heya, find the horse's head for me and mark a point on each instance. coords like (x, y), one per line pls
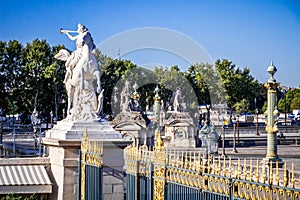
(63, 55)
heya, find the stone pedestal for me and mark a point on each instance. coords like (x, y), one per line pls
(62, 147)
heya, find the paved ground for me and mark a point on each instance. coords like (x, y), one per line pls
(288, 153)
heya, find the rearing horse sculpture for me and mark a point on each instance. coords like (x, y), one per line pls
(81, 72)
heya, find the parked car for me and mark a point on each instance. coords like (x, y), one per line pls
(295, 115)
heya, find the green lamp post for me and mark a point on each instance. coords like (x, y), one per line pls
(272, 118)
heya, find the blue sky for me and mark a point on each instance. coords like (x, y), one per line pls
(249, 33)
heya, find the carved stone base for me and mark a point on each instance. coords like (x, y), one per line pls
(96, 129)
(62, 147)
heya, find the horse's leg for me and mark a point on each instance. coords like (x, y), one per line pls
(70, 92)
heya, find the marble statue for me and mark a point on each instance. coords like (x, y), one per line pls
(81, 73)
(100, 102)
(125, 97)
(177, 100)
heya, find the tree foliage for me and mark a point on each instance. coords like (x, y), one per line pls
(206, 84)
(172, 79)
(14, 196)
(242, 106)
(112, 71)
(31, 77)
(290, 100)
(11, 73)
(238, 83)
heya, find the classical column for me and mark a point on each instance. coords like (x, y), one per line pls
(272, 112)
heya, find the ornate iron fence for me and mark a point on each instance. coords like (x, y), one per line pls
(161, 174)
(90, 169)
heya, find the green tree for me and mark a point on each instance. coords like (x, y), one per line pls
(37, 92)
(171, 79)
(112, 71)
(242, 106)
(11, 74)
(238, 83)
(54, 76)
(289, 101)
(295, 104)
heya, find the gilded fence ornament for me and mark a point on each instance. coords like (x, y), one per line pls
(285, 178)
(277, 175)
(199, 164)
(213, 166)
(229, 168)
(215, 184)
(84, 148)
(264, 174)
(159, 145)
(191, 171)
(84, 141)
(293, 177)
(91, 154)
(238, 172)
(219, 165)
(245, 170)
(224, 167)
(257, 172)
(250, 171)
(271, 177)
(159, 161)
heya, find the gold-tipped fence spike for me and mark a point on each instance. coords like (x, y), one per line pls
(190, 161)
(229, 168)
(224, 166)
(177, 156)
(299, 181)
(250, 171)
(239, 169)
(285, 178)
(199, 162)
(172, 159)
(264, 174)
(219, 165)
(293, 177)
(182, 161)
(195, 162)
(208, 164)
(257, 172)
(187, 163)
(277, 175)
(245, 169)
(203, 165)
(271, 173)
(84, 140)
(213, 169)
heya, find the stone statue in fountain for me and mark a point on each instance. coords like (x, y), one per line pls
(81, 73)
